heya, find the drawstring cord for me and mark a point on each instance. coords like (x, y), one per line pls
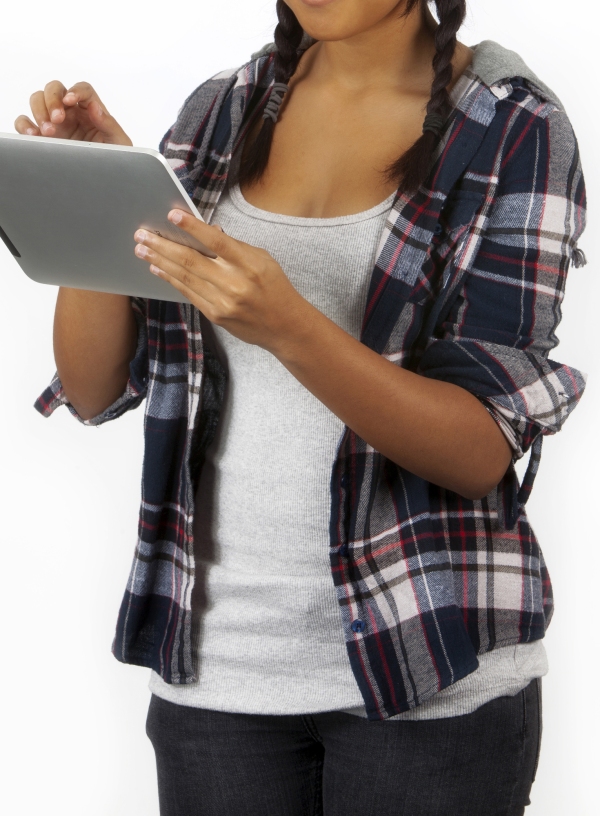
(514, 501)
(579, 258)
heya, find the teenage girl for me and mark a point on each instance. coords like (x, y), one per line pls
(369, 354)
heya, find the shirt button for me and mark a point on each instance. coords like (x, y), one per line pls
(357, 625)
(438, 229)
(344, 480)
(344, 550)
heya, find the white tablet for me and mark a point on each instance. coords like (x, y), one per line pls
(69, 210)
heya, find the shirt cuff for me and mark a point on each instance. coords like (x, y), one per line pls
(512, 436)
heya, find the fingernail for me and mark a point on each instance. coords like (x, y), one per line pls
(175, 216)
(47, 127)
(141, 251)
(31, 131)
(141, 235)
(56, 115)
(70, 97)
(155, 270)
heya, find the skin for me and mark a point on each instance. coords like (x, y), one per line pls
(357, 100)
(356, 103)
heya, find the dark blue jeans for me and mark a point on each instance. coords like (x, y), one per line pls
(211, 763)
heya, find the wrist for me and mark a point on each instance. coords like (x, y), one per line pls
(299, 326)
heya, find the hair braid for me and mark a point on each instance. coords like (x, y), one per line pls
(412, 167)
(288, 36)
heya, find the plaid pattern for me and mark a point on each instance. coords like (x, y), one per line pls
(467, 288)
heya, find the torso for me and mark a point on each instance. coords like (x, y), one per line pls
(329, 149)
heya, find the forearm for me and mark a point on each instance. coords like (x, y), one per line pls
(94, 341)
(434, 429)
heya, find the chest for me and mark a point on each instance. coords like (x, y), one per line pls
(328, 156)
(331, 148)
(328, 261)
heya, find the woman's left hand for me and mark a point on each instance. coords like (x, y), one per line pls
(244, 289)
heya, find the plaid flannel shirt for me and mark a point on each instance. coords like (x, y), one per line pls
(466, 288)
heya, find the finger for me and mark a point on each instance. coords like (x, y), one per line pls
(182, 262)
(53, 97)
(82, 93)
(85, 96)
(192, 295)
(25, 126)
(200, 302)
(213, 237)
(37, 102)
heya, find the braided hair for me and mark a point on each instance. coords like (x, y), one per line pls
(288, 36)
(412, 167)
(410, 170)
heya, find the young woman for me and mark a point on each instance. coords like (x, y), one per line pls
(336, 585)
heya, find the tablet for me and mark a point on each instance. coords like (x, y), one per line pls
(69, 210)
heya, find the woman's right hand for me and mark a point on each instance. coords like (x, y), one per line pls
(76, 113)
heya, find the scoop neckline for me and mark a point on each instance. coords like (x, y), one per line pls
(240, 202)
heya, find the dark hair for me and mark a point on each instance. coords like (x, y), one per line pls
(409, 170)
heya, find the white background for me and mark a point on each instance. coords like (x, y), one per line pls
(73, 718)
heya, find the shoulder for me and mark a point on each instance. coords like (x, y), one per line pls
(249, 73)
(530, 127)
(212, 110)
(496, 65)
(521, 95)
(204, 96)
(256, 71)
(199, 144)
(534, 123)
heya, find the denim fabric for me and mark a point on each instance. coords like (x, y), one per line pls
(212, 763)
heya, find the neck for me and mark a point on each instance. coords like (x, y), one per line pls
(395, 54)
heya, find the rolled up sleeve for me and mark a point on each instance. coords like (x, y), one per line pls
(135, 390)
(495, 337)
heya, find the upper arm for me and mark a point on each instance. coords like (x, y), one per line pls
(495, 338)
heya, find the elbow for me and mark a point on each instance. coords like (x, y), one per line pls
(487, 480)
(478, 492)
(488, 463)
(92, 398)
